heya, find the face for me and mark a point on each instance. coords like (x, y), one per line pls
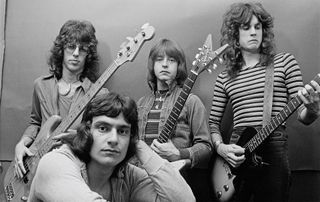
(165, 69)
(250, 35)
(111, 138)
(74, 57)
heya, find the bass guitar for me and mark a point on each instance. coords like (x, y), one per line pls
(16, 189)
(204, 60)
(226, 179)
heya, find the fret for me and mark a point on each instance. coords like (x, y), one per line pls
(184, 95)
(167, 128)
(286, 112)
(282, 115)
(178, 106)
(278, 117)
(275, 122)
(175, 112)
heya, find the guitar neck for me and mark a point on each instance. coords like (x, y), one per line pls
(171, 122)
(275, 122)
(78, 108)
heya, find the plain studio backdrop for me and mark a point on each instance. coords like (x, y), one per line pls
(31, 26)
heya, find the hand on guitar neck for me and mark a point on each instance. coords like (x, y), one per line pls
(166, 150)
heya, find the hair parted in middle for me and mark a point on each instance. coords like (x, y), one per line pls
(75, 31)
(171, 49)
(241, 14)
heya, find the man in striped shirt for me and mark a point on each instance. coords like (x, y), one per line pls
(247, 28)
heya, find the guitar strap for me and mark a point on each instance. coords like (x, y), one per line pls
(268, 94)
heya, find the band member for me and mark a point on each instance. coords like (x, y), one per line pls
(93, 164)
(248, 29)
(73, 67)
(191, 139)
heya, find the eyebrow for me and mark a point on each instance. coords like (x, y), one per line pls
(108, 124)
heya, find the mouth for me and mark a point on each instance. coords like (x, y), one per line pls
(165, 72)
(253, 40)
(74, 61)
(110, 151)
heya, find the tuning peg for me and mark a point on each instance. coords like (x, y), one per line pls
(194, 63)
(145, 25)
(214, 66)
(209, 70)
(129, 38)
(220, 60)
(197, 56)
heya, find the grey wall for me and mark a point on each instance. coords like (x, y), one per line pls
(31, 27)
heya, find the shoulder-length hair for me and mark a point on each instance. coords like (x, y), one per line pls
(171, 49)
(75, 31)
(110, 105)
(241, 14)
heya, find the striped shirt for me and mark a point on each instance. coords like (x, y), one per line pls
(246, 92)
(152, 127)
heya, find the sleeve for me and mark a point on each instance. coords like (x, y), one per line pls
(35, 115)
(159, 181)
(293, 75)
(58, 178)
(219, 103)
(200, 151)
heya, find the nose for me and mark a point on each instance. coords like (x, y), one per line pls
(113, 137)
(253, 31)
(165, 62)
(76, 51)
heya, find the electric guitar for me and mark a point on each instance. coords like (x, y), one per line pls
(17, 189)
(226, 179)
(204, 60)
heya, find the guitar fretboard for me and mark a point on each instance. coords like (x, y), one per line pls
(168, 128)
(78, 108)
(275, 122)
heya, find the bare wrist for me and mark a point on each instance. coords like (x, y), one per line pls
(216, 145)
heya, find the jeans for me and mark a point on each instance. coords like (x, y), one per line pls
(269, 181)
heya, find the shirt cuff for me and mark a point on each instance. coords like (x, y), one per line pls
(184, 153)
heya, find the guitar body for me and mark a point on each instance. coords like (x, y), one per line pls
(17, 189)
(226, 179)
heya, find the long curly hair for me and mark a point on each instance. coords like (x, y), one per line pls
(241, 14)
(171, 49)
(75, 31)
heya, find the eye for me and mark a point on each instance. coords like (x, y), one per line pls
(244, 27)
(71, 46)
(172, 60)
(84, 48)
(124, 131)
(103, 129)
(159, 58)
(258, 26)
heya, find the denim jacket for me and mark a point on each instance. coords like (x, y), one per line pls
(191, 135)
(45, 102)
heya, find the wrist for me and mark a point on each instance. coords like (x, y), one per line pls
(216, 144)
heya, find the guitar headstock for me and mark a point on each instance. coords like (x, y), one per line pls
(130, 48)
(206, 57)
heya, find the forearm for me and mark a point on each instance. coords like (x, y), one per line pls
(167, 182)
(30, 134)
